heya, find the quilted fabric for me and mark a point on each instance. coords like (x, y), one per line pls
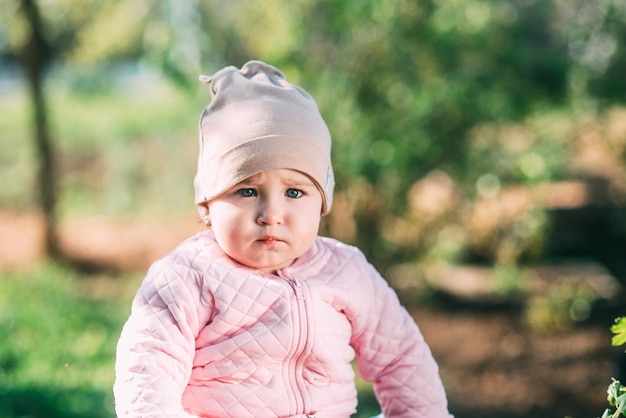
(208, 337)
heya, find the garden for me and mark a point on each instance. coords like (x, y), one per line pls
(480, 155)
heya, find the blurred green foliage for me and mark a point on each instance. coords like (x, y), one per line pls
(488, 92)
(453, 122)
(58, 342)
(119, 154)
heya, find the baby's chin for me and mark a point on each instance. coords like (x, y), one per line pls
(273, 268)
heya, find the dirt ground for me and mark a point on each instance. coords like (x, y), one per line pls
(492, 363)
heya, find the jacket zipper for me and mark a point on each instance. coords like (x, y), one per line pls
(300, 346)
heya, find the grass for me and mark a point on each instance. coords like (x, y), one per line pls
(58, 345)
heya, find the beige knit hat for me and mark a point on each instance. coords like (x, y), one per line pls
(258, 121)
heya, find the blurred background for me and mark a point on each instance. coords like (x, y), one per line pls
(480, 155)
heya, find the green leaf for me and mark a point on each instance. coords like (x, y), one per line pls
(617, 398)
(607, 414)
(621, 403)
(619, 329)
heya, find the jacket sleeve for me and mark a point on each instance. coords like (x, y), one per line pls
(157, 344)
(392, 352)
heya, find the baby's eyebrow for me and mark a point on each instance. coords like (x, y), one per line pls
(297, 180)
(298, 183)
(246, 182)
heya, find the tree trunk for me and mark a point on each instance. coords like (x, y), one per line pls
(33, 57)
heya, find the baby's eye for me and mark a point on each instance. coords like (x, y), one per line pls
(293, 193)
(246, 192)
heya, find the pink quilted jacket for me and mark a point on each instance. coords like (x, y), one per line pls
(208, 337)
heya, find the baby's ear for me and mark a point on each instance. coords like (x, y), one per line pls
(203, 211)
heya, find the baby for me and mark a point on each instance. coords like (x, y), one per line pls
(259, 316)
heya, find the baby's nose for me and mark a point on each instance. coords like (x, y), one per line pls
(271, 212)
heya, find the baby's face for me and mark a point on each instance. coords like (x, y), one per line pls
(268, 220)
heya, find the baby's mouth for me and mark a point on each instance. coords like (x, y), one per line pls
(269, 239)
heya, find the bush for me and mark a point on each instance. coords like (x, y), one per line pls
(616, 392)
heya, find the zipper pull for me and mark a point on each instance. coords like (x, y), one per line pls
(297, 288)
